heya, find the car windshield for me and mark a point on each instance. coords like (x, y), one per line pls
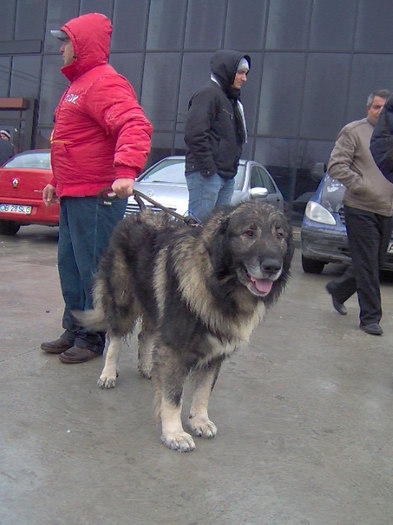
(37, 160)
(167, 171)
(171, 171)
(332, 194)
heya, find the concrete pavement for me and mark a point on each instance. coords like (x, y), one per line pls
(304, 418)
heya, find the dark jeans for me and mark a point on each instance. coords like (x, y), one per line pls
(368, 236)
(86, 224)
(344, 286)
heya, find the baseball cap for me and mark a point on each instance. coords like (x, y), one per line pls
(61, 35)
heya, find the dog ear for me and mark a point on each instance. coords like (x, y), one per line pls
(216, 249)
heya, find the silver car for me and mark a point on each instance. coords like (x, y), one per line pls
(165, 183)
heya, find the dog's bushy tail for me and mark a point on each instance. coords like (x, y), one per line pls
(91, 319)
(95, 319)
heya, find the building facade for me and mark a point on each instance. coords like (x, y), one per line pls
(314, 62)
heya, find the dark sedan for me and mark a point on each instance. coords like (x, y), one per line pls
(323, 233)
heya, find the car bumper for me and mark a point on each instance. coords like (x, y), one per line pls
(332, 247)
(388, 263)
(325, 246)
(40, 214)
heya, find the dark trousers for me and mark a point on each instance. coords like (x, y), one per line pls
(368, 237)
(86, 224)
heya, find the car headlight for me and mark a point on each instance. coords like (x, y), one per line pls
(316, 212)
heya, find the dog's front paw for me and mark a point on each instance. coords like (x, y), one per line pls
(108, 379)
(202, 427)
(182, 442)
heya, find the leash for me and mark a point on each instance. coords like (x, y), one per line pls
(107, 195)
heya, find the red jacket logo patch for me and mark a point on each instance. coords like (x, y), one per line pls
(71, 98)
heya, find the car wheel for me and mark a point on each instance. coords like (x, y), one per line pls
(312, 266)
(9, 227)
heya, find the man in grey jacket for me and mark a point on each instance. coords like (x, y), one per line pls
(368, 202)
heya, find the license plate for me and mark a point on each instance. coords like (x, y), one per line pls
(390, 248)
(15, 208)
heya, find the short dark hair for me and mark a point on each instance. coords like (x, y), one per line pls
(382, 93)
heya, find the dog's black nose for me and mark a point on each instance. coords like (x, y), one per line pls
(271, 265)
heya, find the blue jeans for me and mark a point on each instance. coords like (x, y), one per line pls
(86, 225)
(207, 193)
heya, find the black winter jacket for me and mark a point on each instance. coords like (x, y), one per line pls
(381, 144)
(6, 151)
(214, 134)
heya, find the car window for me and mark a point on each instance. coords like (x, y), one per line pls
(255, 179)
(30, 160)
(171, 171)
(267, 180)
(332, 194)
(168, 171)
(260, 178)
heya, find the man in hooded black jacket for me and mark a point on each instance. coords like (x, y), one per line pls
(214, 134)
(6, 151)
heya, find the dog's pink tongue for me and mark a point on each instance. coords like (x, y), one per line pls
(262, 285)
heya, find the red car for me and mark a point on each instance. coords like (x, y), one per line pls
(22, 180)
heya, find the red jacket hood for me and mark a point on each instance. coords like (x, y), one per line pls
(91, 37)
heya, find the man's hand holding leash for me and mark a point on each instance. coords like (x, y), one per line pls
(123, 187)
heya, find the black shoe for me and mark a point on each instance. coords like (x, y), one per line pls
(56, 347)
(339, 307)
(372, 328)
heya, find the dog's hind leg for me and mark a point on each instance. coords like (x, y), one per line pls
(169, 374)
(145, 350)
(203, 380)
(109, 373)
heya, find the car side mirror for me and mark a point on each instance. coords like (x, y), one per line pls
(318, 171)
(258, 193)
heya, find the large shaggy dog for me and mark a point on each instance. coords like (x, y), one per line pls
(199, 293)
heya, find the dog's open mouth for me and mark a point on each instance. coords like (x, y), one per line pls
(263, 286)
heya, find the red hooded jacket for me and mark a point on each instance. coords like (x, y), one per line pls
(101, 133)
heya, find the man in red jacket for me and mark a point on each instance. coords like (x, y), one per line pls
(101, 139)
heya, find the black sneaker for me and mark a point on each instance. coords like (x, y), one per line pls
(339, 307)
(372, 328)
